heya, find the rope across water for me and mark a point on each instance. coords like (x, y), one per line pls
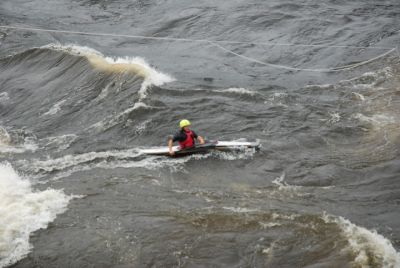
(321, 70)
(217, 44)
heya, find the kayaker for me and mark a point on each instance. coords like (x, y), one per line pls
(185, 136)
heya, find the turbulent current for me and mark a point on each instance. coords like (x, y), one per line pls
(83, 89)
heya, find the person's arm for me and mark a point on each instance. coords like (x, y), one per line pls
(200, 139)
(197, 137)
(170, 143)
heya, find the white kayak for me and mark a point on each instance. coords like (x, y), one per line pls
(208, 146)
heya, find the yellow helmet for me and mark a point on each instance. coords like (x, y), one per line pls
(184, 123)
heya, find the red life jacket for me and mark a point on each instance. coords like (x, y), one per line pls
(189, 142)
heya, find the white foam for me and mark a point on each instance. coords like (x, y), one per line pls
(104, 92)
(266, 225)
(366, 244)
(239, 153)
(287, 189)
(129, 158)
(152, 76)
(377, 120)
(136, 106)
(4, 97)
(367, 80)
(276, 99)
(282, 185)
(290, 217)
(73, 49)
(5, 138)
(141, 127)
(68, 161)
(323, 86)
(150, 163)
(373, 78)
(240, 210)
(334, 117)
(28, 145)
(114, 120)
(62, 142)
(23, 211)
(242, 91)
(118, 64)
(358, 96)
(279, 95)
(278, 181)
(156, 182)
(55, 109)
(6, 145)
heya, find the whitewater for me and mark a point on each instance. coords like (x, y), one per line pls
(85, 86)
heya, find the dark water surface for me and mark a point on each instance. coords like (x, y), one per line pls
(75, 109)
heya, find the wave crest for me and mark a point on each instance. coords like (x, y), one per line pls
(119, 65)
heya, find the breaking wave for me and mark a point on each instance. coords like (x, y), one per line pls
(23, 211)
(370, 248)
(135, 65)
